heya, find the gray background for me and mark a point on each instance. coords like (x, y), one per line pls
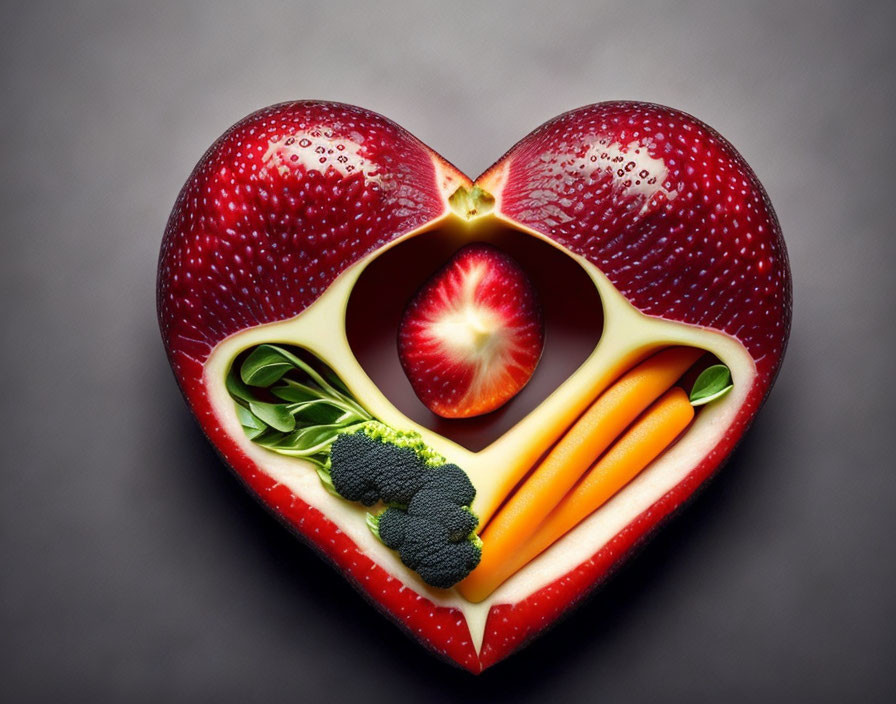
(135, 567)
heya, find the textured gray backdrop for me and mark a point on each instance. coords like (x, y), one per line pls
(134, 567)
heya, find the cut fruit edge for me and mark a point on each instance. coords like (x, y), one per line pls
(628, 337)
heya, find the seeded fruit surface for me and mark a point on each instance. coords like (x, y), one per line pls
(277, 208)
(667, 209)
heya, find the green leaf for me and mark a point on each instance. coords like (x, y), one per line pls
(306, 442)
(253, 434)
(270, 437)
(265, 365)
(305, 367)
(294, 392)
(316, 409)
(319, 412)
(327, 481)
(713, 383)
(336, 382)
(275, 415)
(252, 425)
(237, 389)
(373, 522)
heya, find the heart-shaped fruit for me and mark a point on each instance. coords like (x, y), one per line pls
(306, 216)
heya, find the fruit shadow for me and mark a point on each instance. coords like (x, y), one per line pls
(598, 626)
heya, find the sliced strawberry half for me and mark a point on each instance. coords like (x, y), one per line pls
(472, 336)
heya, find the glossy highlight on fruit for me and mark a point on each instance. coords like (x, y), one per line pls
(471, 337)
(287, 209)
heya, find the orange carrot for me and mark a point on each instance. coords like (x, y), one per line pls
(573, 454)
(638, 447)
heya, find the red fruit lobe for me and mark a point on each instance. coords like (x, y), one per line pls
(667, 209)
(281, 204)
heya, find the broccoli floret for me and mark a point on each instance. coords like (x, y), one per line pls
(429, 520)
(368, 470)
(450, 564)
(391, 526)
(453, 483)
(433, 536)
(448, 519)
(452, 522)
(354, 469)
(398, 438)
(438, 562)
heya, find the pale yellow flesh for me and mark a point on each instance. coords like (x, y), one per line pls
(628, 336)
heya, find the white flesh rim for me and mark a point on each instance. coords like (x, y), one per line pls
(628, 336)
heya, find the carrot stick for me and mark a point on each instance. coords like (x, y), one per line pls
(574, 453)
(638, 447)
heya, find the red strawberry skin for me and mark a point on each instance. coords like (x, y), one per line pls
(700, 244)
(256, 236)
(277, 208)
(482, 288)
